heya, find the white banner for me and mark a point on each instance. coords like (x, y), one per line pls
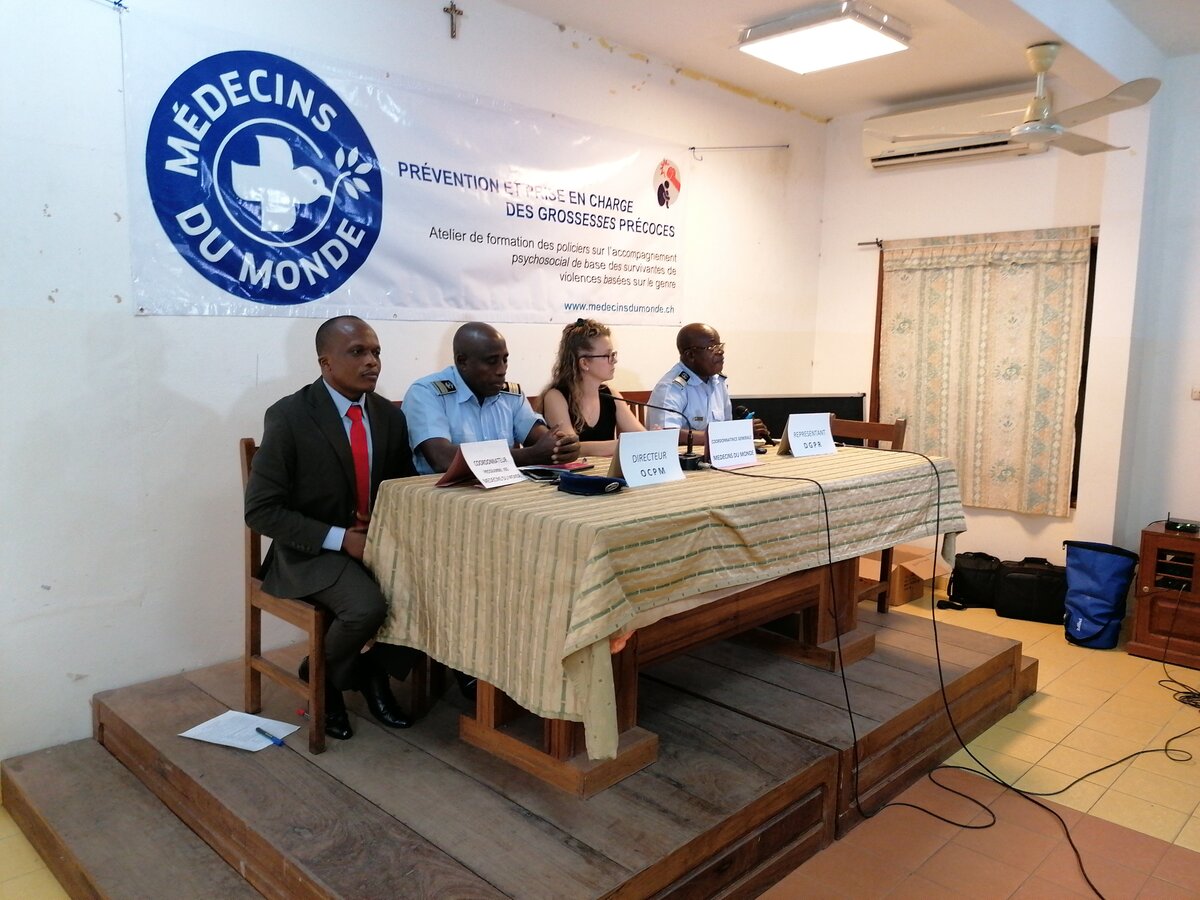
(277, 183)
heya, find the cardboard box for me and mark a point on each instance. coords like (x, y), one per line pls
(912, 569)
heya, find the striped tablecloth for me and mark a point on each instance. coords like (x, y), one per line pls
(523, 585)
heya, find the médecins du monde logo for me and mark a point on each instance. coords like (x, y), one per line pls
(263, 179)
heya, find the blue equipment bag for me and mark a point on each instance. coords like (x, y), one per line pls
(1098, 579)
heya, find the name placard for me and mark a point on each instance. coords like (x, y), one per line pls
(807, 434)
(731, 444)
(647, 457)
(488, 462)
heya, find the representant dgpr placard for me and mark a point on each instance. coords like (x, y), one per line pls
(807, 434)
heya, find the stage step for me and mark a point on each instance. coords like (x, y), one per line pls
(754, 777)
(291, 829)
(103, 834)
(900, 730)
(1027, 680)
(714, 816)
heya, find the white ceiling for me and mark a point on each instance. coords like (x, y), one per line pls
(951, 52)
(1173, 25)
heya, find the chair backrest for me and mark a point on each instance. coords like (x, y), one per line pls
(247, 448)
(535, 402)
(640, 397)
(870, 433)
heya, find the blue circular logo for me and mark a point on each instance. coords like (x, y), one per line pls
(263, 179)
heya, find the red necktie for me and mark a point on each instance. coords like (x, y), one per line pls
(362, 461)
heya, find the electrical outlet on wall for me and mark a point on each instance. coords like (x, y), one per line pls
(1196, 393)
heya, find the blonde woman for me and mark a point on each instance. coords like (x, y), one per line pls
(577, 392)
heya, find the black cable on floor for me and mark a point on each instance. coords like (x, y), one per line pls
(865, 813)
(986, 771)
(1184, 693)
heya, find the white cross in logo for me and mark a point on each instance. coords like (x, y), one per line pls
(277, 184)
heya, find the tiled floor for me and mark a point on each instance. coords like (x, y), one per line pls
(23, 875)
(1136, 825)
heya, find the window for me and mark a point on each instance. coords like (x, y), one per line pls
(982, 341)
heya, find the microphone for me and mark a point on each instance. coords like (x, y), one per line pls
(741, 412)
(689, 461)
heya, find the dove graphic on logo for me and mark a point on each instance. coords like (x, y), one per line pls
(263, 179)
(276, 184)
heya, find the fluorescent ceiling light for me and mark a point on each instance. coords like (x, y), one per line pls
(826, 36)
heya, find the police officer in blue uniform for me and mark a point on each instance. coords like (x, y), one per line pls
(472, 401)
(694, 390)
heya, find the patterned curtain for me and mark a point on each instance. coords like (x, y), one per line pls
(981, 342)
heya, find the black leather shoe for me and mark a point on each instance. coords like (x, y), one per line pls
(337, 725)
(381, 704)
(467, 684)
(337, 720)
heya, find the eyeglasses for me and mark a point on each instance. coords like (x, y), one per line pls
(610, 356)
(713, 348)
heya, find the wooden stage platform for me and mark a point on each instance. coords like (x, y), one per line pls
(757, 771)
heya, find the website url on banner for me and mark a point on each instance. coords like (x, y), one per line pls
(618, 307)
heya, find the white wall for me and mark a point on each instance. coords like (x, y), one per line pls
(1162, 435)
(120, 502)
(120, 507)
(1050, 190)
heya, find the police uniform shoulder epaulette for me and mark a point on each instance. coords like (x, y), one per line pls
(682, 379)
(511, 387)
(443, 386)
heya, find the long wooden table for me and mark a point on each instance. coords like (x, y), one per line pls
(528, 588)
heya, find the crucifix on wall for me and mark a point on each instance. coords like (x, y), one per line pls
(453, 12)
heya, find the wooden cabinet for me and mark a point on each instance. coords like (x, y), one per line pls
(1166, 622)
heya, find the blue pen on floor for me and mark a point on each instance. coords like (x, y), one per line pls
(278, 742)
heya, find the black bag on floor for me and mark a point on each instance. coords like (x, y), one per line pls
(973, 581)
(1033, 589)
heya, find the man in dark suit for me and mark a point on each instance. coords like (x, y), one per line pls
(304, 493)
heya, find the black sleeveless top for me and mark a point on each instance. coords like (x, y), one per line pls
(605, 428)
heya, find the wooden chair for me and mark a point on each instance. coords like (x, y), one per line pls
(871, 434)
(308, 617)
(640, 397)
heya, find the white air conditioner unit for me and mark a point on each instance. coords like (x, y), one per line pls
(915, 136)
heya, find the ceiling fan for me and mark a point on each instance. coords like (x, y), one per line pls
(1041, 125)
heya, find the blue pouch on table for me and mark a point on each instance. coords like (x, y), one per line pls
(589, 484)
